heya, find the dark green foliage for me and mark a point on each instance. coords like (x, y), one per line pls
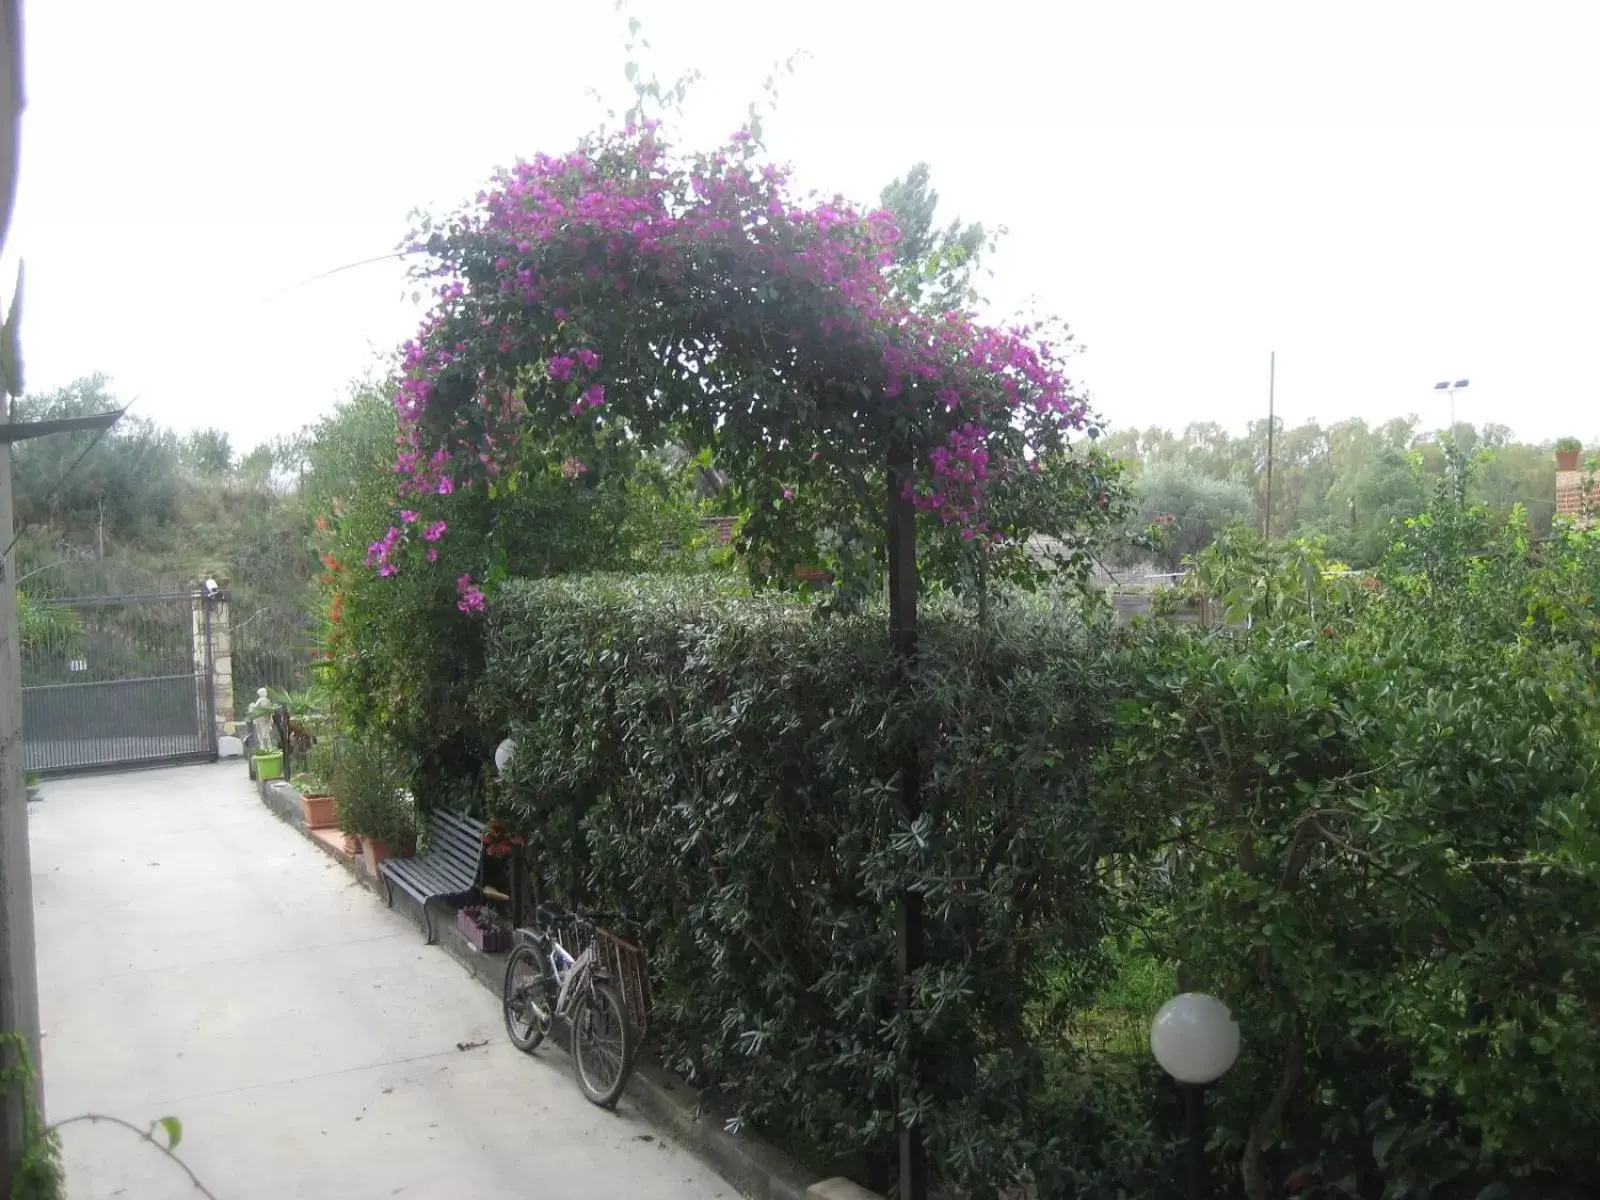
(367, 793)
(404, 655)
(1378, 823)
(727, 767)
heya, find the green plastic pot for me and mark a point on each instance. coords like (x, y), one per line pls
(269, 765)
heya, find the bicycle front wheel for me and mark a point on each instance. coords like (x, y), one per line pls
(522, 999)
(603, 1044)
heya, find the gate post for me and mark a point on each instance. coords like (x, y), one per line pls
(213, 659)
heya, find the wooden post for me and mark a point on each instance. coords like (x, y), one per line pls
(910, 946)
(19, 987)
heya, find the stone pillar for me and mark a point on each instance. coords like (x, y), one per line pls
(218, 654)
(222, 668)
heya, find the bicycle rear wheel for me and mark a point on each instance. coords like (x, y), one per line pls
(522, 1000)
(603, 1044)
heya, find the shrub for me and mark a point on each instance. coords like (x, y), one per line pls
(1381, 825)
(368, 797)
(728, 766)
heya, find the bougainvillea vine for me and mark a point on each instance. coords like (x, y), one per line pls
(621, 291)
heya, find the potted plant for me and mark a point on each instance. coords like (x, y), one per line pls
(484, 928)
(316, 800)
(267, 764)
(1568, 450)
(370, 804)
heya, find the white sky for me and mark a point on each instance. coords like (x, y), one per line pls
(1387, 194)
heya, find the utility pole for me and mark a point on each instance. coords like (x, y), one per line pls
(1272, 395)
(910, 937)
(19, 986)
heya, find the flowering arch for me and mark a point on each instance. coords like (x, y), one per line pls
(619, 298)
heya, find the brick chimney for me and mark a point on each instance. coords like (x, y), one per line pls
(1569, 488)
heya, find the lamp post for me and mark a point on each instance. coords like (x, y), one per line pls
(504, 753)
(1196, 1040)
(1450, 390)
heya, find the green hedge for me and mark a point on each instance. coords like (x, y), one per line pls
(1368, 824)
(727, 766)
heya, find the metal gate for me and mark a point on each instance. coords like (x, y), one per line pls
(118, 681)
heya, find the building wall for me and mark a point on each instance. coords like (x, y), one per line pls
(1569, 494)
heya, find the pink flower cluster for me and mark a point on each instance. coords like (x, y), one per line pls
(542, 283)
(470, 597)
(383, 552)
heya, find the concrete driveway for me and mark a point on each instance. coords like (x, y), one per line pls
(198, 958)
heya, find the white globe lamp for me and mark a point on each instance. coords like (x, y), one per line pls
(1195, 1038)
(503, 754)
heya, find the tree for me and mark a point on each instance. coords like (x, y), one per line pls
(1350, 482)
(935, 265)
(121, 484)
(1192, 507)
(207, 453)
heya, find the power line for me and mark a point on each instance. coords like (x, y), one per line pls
(365, 262)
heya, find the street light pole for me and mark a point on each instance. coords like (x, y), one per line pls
(1196, 1040)
(1450, 390)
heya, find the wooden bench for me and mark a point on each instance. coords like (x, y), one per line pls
(450, 870)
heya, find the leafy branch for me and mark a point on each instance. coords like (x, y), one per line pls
(170, 1126)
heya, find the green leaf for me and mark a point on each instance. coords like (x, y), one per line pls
(11, 344)
(1384, 1142)
(1495, 1191)
(174, 1128)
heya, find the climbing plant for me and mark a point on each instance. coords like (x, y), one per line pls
(593, 305)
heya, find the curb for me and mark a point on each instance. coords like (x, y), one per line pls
(759, 1171)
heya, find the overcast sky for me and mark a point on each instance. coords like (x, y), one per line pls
(1387, 194)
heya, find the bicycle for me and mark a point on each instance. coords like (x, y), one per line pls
(545, 984)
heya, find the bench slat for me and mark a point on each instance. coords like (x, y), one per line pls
(424, 874)
(462, 850)
(427, 876)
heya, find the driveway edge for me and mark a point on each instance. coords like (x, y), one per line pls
(758, 1170)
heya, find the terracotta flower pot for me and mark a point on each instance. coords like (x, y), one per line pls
(318, 812)
(352, 844)
(373, 852)
(1567, 460)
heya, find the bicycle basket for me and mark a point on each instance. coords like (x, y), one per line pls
(626, 965)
